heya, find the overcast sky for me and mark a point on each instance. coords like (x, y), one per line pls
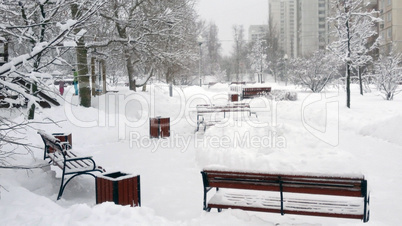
(226, 13)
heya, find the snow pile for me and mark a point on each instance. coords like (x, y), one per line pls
(239, 145)
(44, 211)
(385, 130)
(281, 95)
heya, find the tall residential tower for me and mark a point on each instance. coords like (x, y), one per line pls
(301, 25)
(390, 29)
(284, 18)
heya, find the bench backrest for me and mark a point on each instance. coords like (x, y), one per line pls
(255, 91)
(207, 108)
(311, 184)
(51, 143)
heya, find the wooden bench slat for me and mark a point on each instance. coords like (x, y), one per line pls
(335, 196)
(272, 200)
(296, 212)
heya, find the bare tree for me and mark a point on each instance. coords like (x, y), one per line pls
(389, 75)
(154, 36)
(239, 50)
(258, 58)
(30, 23)
(10, 131)
(39, 29)
(274, 52)
(354, 26)
(212, 47)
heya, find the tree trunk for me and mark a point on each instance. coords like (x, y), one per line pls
(83, 77)
(103, 65)
(93, 78)
(130, 69)
(82, 64)
(31, 112)
(348, 64)
(348, 86)
(360, 80)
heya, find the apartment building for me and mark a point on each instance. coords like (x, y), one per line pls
(313, 29)
(256, 32)
(284, 18)
(390, 30)
(302, 25)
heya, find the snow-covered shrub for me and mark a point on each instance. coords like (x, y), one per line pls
(389, 75)
(280, 95)
(314, 72)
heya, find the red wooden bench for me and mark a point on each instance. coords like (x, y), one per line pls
(315, 195)
(61, 155)
(254, 92)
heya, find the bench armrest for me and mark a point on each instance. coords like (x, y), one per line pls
(65, 145)
(79, 158)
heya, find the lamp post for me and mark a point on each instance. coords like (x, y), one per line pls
(200, 40)
(260, 74)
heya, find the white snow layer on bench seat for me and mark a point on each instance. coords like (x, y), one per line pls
(291, 201)
(74, 165)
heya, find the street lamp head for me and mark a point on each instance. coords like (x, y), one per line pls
(200, 40)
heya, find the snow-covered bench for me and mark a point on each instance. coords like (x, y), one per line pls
(252, 92)
(203, 109)
(61, 155)
(315, 195)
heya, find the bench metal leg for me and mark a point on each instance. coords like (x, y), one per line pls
(366, 215)
(63, 185)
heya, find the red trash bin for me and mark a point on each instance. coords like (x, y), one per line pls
(233, 97)
(159, 127)
(120, 188)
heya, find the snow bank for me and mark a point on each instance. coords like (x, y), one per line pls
(385, 130)
(33, 209)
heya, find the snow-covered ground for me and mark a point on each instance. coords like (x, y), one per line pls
(315, 134)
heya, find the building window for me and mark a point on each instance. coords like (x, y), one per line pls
(389, 33)
(389, 16)
(389, 2)
(321, 19)
(321, 26)
(321, 12)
